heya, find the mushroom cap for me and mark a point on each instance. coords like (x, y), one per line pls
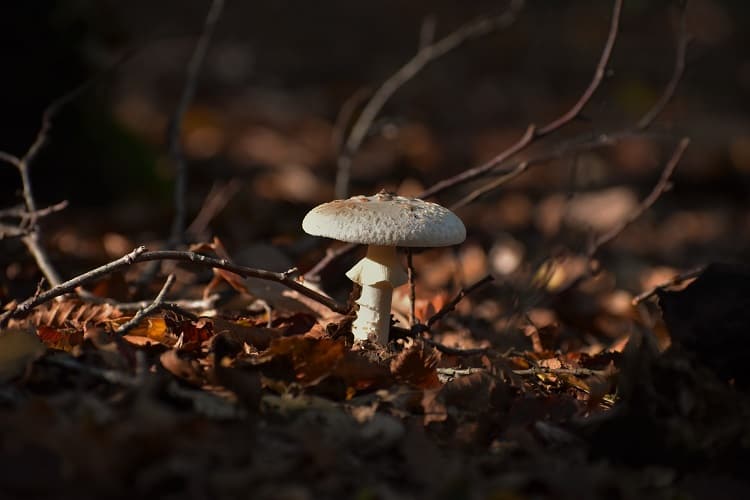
(386, 219)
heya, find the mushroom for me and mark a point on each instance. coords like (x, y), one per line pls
(383, 221)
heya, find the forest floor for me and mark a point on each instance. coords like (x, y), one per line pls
(588, 340)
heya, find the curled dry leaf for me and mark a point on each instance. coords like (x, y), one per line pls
(220, 275)
(182, 368)
(416, 365)
(315, 360)
(238, 334)
(193, 333)
(63, 340)
(69, 313)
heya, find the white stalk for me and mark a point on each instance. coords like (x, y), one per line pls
(378, 273)
(374, 316)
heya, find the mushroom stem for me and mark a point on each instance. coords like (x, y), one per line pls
(374, 316)
(378, 274)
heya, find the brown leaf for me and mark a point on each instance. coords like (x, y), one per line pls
(239, 334)
(232, 279)
(416, 365)
(311, 359)
(62, 340)
(244, 382)
(296, 324)
(70, 313)
(18, 348)
(193, 333)
(182, 368)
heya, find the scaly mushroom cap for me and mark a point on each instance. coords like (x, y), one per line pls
(386, 219)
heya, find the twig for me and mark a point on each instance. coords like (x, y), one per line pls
(216, 200)
(182, 307)
(534, 133)
(605, 139)
(175, 126)
(683, 40)
(8, 231)
(111, 376)
(662, 185)
(331, 254)
(675, 280)
(23, 214)
(578, 372)
(573, 146)
(142, 313)
(530, 135)
(425, 55)
(70, 285)
(454, 351)
(174, 132)
(660, 188)
(450, 306)
(141, 255)
(412, 288)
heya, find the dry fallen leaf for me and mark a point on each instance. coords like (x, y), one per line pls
(18, 348)
(416, 365)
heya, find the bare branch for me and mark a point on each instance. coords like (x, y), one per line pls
(152, 307)
(577, 372)
(23, 308)
(605, 139)
(450, 306)
(676, 280)
(660, 188)
(425, 55)
(331, 255)
(175, 126)
(412, 289)
(683, 40)
(141, 255)
(534, 133)
(454, 351)
(24, 215)
(216, 200)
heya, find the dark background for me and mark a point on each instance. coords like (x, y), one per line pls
(278, 72)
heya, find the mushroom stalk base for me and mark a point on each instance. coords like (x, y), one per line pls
(378, 274)
(374, 316)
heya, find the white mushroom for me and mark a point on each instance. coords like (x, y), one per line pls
(383, 221)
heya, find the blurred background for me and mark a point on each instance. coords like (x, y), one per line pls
(258, 137)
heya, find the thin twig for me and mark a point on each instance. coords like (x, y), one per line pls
(174, 139)
(412, 288)
(605, 139)
(23, 308)
(331, 254)
(675, 280)
(425, 55)
(451, 305)
(578, 372)
(454, 351)
(23, 214)
(174, 130)
(683, 40)
(141, 255)
(8, 231)
(660, 188)
(216, 200)
(111, 376)
(531, 134)
(534, 133)
(149, 309)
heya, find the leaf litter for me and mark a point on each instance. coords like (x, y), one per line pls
(230, 404)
